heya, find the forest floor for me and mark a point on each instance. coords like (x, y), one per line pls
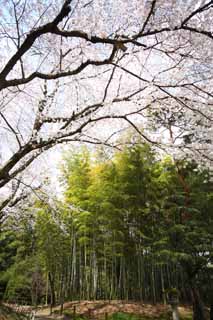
(104, 309)
(8, 313)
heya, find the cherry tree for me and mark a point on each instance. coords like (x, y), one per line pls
(81, 71)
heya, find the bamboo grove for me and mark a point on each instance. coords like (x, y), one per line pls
(130, 226)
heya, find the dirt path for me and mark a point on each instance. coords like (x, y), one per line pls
(97, 309)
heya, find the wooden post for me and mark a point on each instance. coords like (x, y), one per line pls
(74, 312)
(174, 301)
(211, 311)
(89, 313)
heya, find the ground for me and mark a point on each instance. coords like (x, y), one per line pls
(7, 313)
(104, 309)
(98, 310)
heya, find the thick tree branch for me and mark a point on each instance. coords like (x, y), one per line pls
(54, 76)
(199, 10)
(31, 38)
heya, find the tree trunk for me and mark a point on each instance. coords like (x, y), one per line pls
(162, 285)
(62, 294)
(52, 292)
(198, 306)
(153, 284)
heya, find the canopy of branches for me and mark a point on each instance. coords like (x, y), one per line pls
(83, 71)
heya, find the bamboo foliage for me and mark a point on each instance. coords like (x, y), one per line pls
(123, 230)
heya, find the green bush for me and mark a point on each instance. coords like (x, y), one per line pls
(123, 316)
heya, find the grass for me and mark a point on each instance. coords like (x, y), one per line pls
(124, 316)
(69, 314)
(127, 316)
